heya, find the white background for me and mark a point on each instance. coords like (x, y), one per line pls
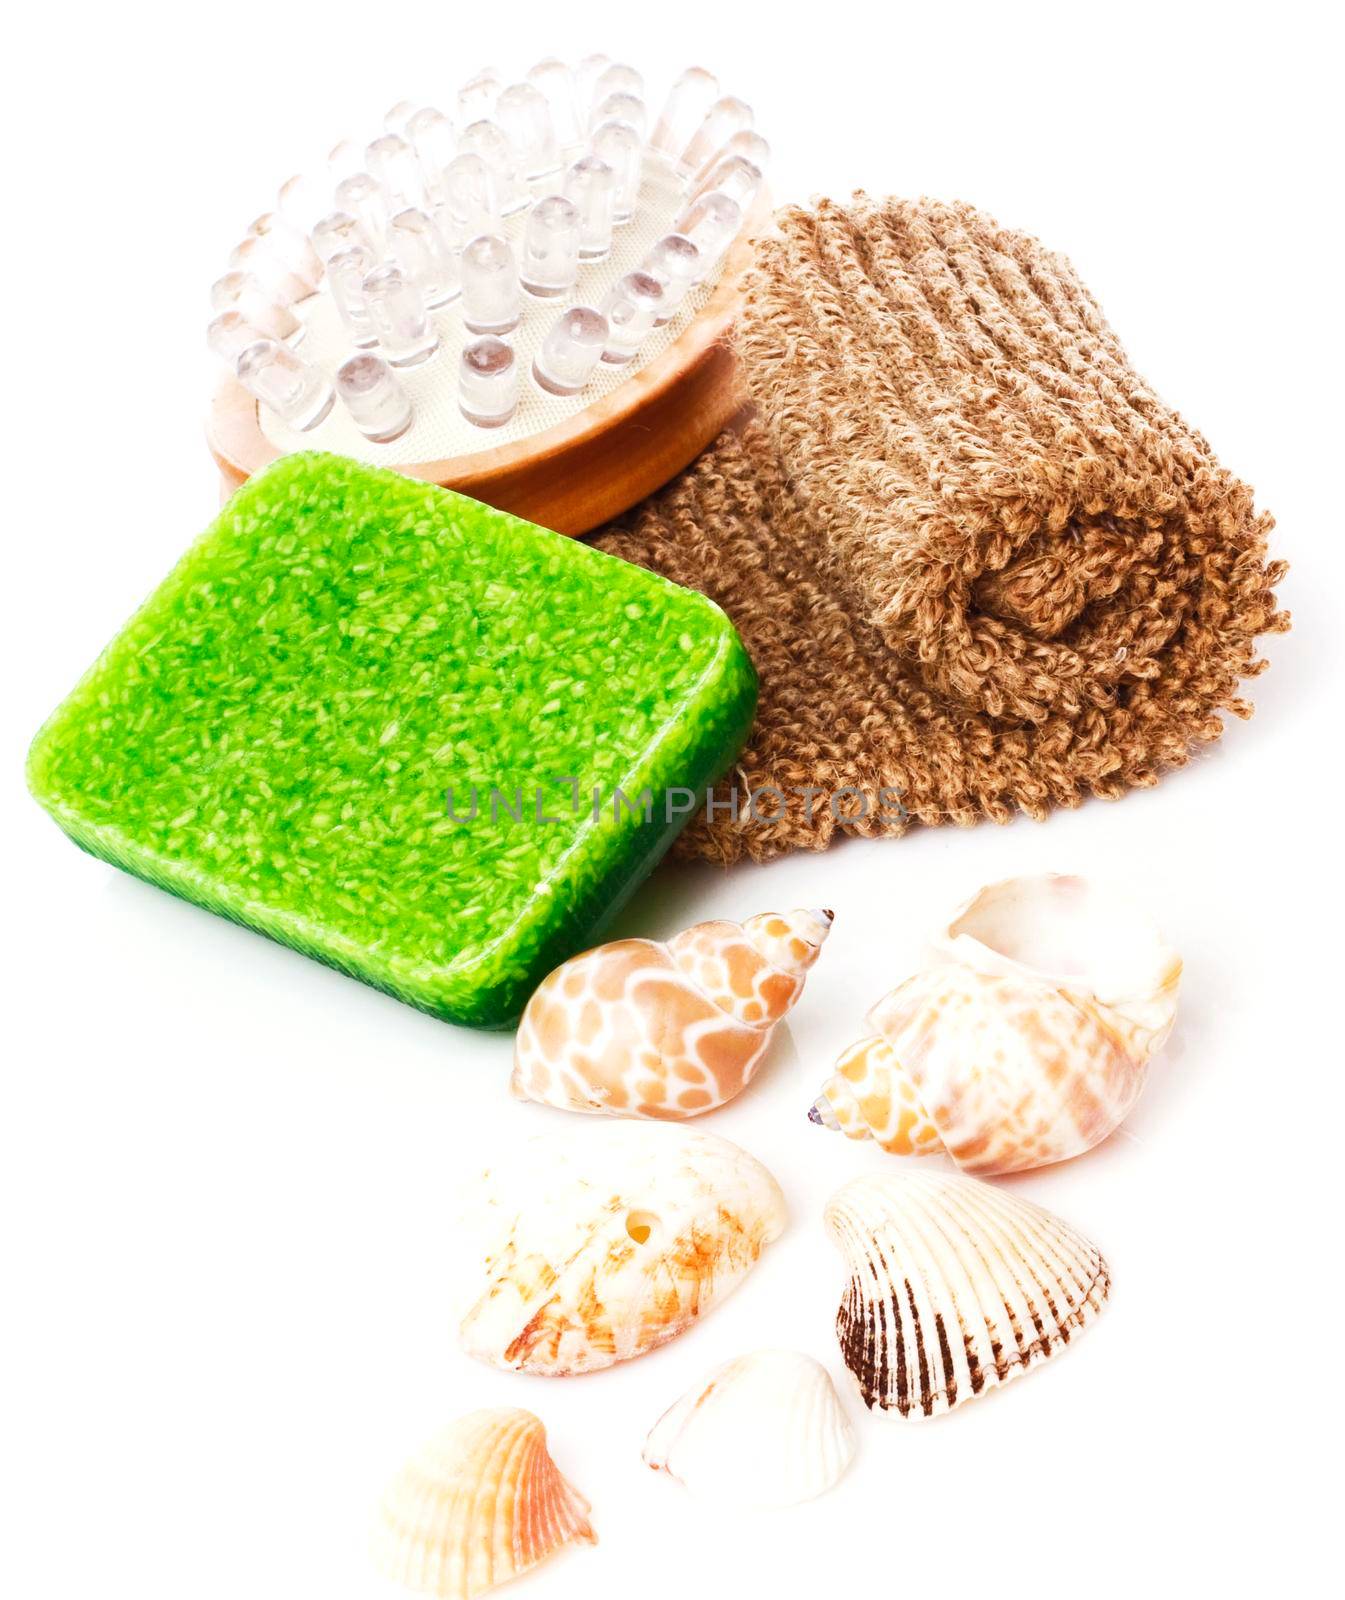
(229, 1269)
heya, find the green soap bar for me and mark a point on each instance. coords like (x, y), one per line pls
(296, 729)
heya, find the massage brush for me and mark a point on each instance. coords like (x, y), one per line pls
(522, 296)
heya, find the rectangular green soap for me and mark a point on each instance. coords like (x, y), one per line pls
(419, 739)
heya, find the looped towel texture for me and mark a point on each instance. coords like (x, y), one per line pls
(978, 563)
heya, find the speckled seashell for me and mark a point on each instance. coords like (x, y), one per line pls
(1025, 1040)
(764, 1430)
(642, 1029)
(481, 1503)
(609, 1239)
(955, 1287)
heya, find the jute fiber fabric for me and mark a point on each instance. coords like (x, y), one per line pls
(979, 564)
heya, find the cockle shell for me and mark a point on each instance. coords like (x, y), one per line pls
(609, 1239)
(479, 1504)
(1026, 1040)
(955, 1287)
(766, 1429)
(642, 1029)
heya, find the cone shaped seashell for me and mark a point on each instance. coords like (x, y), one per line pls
(642, 1029)
(955, 1287)
(481, 1503)
(1025, 1040)
(764, 1430)
(607, 1240)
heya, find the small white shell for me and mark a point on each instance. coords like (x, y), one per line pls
(612, 1237)
(764, 1430)
(479, 1504)
(955, 1287)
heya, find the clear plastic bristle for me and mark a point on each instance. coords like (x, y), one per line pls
(297, 393)
(229, 335)
(748, 143)
(290, 245)
(424, 257)
(712, 224)
(374, 397)
(477, 97)
(571, 350)
(586, 76)
(240, 291)
(345, 159)
(550, 261)
(393, 162)
(336, 232)
(683, 112)
(618, 78)
(302, 200)
(619, 145)
(405, 332)
(488, 382)
(591, 185)
(620, 108)
(676, 265)
(525, 115)
(489, 141)
(554, 81)
(258, 259)
(490, 293)
(471, 198)
(396, 118)
(735, 176)
(346, 272)
(432, 137)
(725, 117)
(632, 307)
(362, 196)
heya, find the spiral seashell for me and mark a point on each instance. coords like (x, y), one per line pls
(1026, 1040)
(607, 1240)
(481, 1503)
(641, 1029)
(764, 1430)
(955, 1287)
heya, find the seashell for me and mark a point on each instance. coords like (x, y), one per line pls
(1026, 1040)
(955, 1287)
(481, 1503)
(611, 1239)
(643, 1029)
(765, 1430)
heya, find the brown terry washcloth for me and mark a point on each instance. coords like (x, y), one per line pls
(975, 558)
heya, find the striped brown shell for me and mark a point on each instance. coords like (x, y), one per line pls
(955, 1287)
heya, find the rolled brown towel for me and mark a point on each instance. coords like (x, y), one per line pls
(979, 564)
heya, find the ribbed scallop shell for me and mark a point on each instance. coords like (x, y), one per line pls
(1026, 1039)
(610, 1238)
(642, 1029)
(955, 1287)
(481, 1503)
(766, 1429)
